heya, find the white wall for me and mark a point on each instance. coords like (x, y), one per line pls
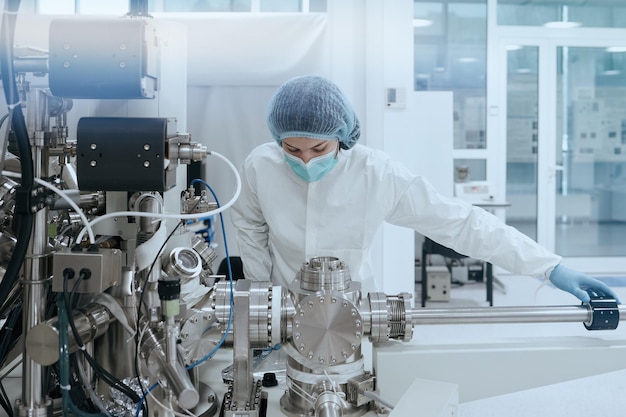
(417, 133)
(236, 61)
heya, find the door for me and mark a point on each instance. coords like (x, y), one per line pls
(565, 135)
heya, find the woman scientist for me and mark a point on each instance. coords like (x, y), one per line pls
(316, 192)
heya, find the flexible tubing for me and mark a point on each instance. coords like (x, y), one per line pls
(195, 216)
(64, 363)
(24, 219)
(65, 197)
(373, 396)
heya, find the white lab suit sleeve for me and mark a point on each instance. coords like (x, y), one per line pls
(252, 229)
(467, 229)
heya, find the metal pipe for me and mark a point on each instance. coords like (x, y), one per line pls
(174, 373)
(42, 341)
(38, 65)
(328, 404)
(539, 314)
(35, 277)
(242, 375)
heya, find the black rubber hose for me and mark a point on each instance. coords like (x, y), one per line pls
(23, 215)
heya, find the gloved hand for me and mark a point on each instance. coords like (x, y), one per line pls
(576, 283)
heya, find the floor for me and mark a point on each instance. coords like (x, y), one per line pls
(602, 395)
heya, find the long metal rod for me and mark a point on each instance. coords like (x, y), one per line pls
(478, 315)
(35, 274)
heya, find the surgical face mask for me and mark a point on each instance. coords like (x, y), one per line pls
(315, 169)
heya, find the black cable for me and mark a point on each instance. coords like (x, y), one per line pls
(8, 333)
(5, 402)
(143, 290)
(8, 339)
(102, 373)
(23, 217)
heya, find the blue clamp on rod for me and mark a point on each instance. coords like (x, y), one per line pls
(604, 312)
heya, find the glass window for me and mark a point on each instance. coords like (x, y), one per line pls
(317, 5)
(119, 7)
(293, 6)
(597, 13)
(522, 137)
(450, 53)
(206, 6)
(56, 7)
(470, 170)
(110, 7)
(591, 186)
(280, 6)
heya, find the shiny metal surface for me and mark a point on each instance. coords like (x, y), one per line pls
(196, 334)
(183, 263)
(324, 273)
(328, 404)
(35, 269)
(7, 196)
(379, 317)
(538, 314)
(260, 308)
(178, 379)
(305, 384)
(42, 341)
(242, 373)
(327, 328)
(206, 252)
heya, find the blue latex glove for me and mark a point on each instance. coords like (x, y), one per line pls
(577, 283)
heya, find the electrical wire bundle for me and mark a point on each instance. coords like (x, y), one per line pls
(23, 216)
(69, 373)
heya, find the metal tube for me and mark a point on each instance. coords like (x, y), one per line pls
(174, 373)
(180, 383)
(31, 64)
(328, 404)
(539, 314)
(242, 375)
(150, 203)
(35, 276)
(42, 341)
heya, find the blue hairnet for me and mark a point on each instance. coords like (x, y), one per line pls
(312, 107)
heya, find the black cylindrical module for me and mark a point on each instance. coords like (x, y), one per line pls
(169, 289)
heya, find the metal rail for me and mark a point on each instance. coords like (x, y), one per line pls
(539, 314)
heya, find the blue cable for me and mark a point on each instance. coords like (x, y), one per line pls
(230, 316)
(230, 279)
(141, 401)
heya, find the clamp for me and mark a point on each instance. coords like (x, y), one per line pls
(604, 312)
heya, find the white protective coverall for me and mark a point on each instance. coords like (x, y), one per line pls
(283, 221)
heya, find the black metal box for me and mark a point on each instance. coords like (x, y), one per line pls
(122, 154)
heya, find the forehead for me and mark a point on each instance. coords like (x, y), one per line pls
(304, 143)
